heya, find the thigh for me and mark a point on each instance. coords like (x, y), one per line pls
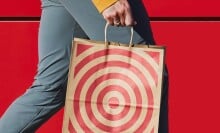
(57, 28)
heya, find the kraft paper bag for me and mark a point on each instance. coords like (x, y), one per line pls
(113, 88)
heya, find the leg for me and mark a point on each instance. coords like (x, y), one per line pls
(93, 24)
(47, 94)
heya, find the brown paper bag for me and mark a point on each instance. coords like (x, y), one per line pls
(113, 88)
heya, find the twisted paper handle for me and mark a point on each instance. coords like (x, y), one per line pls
(131, 39)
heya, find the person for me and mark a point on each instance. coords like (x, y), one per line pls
(61, 20)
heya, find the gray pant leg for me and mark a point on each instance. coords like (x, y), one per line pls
(47, 94)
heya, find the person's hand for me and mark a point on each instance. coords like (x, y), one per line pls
(119, 14)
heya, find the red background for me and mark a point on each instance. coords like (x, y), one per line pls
(167, 8)
(192, 58)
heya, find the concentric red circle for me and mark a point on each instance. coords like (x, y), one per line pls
(123, 91)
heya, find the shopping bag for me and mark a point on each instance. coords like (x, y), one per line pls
(113, 87)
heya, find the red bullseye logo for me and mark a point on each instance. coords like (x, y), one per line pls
(114, 90)
(113, 102)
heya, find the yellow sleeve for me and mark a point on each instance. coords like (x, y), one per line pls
(101, 5)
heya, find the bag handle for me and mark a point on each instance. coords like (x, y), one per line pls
(131, 39)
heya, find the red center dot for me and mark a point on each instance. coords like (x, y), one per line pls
(113, 102)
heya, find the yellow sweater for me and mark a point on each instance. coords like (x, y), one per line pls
(103, 4)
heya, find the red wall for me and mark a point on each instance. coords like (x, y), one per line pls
(20, 8)
(158, 8)
(192, 58)
(183, 8)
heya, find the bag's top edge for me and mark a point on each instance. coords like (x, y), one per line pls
(118, 44)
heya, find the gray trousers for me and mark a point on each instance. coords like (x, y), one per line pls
(61, 20)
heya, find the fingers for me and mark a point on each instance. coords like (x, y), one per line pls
(120, 9)
(117, 21)
(112, 16)
(121, 17)
(129, 21)
(109, 20)
(119, 14)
